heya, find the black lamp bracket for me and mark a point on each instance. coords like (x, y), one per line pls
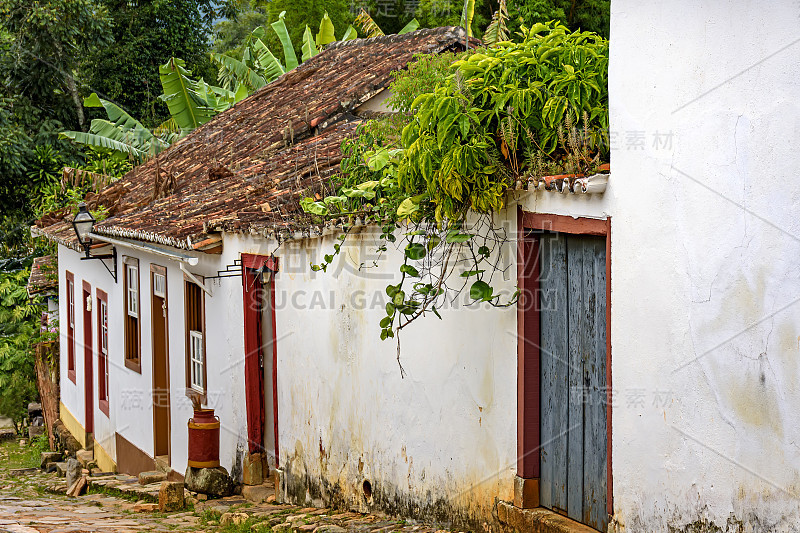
(112, 256)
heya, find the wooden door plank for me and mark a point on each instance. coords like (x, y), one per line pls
(554, 368)
(595, 445)
(577, 325)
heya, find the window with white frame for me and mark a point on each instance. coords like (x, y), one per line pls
(70, 326)
(132, 326)
(196, 380)
(159, 285)
(195, 342)
(102, 333)
(133, 290)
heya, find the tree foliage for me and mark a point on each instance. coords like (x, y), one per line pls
(146, 34)
(18, 330)
(44, 50)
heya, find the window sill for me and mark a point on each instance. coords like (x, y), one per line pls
(134, 364)
(71, 376)
(104, 407)
(193, 393)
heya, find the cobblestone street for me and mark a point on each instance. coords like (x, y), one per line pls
(35, 502)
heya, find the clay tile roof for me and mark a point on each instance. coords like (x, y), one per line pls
(44, 275)
(249, 165)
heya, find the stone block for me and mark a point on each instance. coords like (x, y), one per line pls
(84, 456)
(34, 409)
(145, 507)
(73, 471)
(61, 469)
(77, 488)
(257, 493)
(170, 496)
(235, 519)
(35, 431)
(252, 470)
(210, 481)
(330, 528)
(153, 476)
(526, 493)
(50, 457)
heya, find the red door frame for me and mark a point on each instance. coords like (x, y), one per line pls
(253, 373)
(88, 355)
(528, 334)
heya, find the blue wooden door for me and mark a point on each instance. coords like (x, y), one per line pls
(573, 377)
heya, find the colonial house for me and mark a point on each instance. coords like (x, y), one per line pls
(663, 294)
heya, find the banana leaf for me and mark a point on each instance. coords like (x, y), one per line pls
(99, 141)
(466, 16)
(309, 50)
(367, 26)
(271, 68)
(350, 34)
(290, 57)
(116, 114)
(411, 26)
(326, 32)
(182, 97)
(232, 70)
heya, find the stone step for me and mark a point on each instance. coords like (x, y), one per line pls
(85, 457)
(162, 464)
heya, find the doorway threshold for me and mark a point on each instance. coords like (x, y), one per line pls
(538, 520)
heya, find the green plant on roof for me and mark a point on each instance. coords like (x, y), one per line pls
(498, 116)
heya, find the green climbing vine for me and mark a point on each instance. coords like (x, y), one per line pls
(467, 129)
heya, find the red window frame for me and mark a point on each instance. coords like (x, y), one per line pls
(102, 351)
(71, 327)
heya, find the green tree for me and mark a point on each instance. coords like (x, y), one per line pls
(18, 331)
(302, 13)
(43, 47)
(146, 34)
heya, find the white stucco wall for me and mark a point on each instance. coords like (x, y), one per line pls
(705, 271)
(130, 397)
(440, 441)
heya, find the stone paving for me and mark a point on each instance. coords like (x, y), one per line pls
(34, 502)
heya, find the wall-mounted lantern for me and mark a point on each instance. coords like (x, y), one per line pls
(83, 223)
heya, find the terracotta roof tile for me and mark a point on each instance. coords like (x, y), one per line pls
(249, 165)
(44, 275)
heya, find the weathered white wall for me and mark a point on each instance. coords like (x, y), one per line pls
(130, 398)
(73, 394)
(439, 442)
(705, 269)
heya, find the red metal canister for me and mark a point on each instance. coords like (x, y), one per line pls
(204, 439)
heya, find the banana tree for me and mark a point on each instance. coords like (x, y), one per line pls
(497, 30)
(191, 104)
(370, 28)
(121, 132)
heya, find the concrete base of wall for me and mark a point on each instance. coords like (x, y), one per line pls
(103, 459)
(526, 492)
(72, 425)
(539, 520)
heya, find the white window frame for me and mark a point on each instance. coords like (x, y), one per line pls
(104, 327)
(71, 304)
(132, 274)
(196, 361)
(104, 342)
(159, 285)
